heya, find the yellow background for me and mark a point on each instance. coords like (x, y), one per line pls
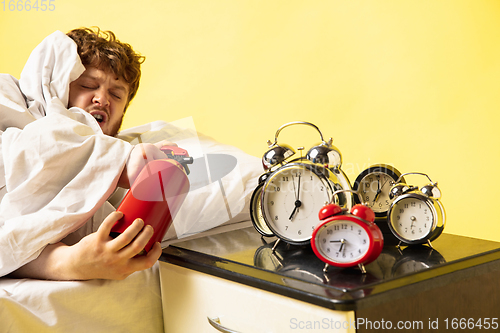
(415, 84)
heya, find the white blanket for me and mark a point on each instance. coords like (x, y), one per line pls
(57, 168)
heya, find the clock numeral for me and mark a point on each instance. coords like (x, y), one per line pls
(336, 227)
(344, 226)
(285, 179)
(300, 232)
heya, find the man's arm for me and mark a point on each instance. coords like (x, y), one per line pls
(96, 256)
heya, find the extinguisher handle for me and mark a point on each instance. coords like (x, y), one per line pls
(178, 154)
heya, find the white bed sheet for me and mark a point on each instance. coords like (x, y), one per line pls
(130, 305)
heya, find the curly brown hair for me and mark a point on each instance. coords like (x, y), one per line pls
(101, 49)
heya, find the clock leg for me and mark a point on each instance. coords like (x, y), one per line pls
(275, 245)
(430, 245)
(362, 268)
(325, 268)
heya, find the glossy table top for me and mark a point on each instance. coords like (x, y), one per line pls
(244, 256)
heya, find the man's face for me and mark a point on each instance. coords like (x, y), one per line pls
(101, 94)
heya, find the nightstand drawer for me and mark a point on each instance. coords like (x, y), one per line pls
(189, 298)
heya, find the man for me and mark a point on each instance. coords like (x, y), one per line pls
(61, 160)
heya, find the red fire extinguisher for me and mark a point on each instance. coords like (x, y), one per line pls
(157, 194)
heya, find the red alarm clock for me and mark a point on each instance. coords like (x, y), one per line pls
(347, 239)
(156, 195)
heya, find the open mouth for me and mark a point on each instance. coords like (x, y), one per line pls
(99, 115)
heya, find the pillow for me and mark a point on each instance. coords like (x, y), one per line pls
(222, 177)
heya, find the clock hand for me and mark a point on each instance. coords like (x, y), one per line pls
(294, 188)
(377, 195)
(298, 203)
(386, 182)
(298, 189)
(413, 219)
(342, 245)
(379, 190)
(295, 209)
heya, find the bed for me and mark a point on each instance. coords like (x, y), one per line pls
(130, 305)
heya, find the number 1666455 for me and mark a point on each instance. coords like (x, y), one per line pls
(28, 5)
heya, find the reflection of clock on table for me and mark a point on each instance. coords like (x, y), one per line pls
(298, 262)
(416, 258)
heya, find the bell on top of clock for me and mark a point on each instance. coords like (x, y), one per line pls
(276, 155)
(325, 153)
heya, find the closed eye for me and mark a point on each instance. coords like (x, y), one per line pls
(116, 96)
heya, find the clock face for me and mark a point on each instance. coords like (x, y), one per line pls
(411, 219)
(342, 241)
(291, 200)
(375, 188)
(374, 185)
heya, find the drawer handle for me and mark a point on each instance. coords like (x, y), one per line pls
(215, 322)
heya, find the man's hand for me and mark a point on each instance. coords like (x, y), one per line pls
(100, 256)
(140, 155)
(96, 256)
